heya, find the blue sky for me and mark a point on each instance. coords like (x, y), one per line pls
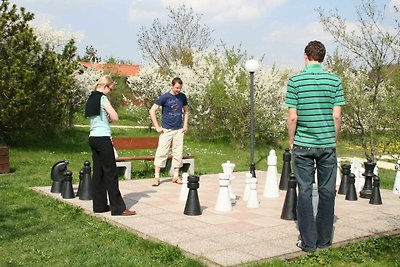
(275, 29)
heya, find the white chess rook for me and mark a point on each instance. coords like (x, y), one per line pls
(271, 188)
(184, 187)
(396, 186)
(228, 169)
(224, 199)
(252, 202)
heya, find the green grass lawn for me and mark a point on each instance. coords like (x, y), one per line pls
(39, 231)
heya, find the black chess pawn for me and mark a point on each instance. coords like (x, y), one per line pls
(286, 170)
(344, 183)
(351, 193)
(67, 189)
(376, 194)
(192, 206)
(57, 175)
(81, 172)
(289, 207)
(85, 189)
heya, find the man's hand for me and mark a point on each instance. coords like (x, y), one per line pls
(159, 130)
(291, 145)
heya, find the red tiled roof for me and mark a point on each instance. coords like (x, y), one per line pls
(115, 69)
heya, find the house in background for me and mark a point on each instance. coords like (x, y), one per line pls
(123, 70)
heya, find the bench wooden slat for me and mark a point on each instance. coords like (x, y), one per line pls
(124, 143)
(135, 158)
(148, 158)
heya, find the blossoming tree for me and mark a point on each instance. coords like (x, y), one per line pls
(217, 86)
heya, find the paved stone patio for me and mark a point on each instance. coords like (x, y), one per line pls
(243, 235)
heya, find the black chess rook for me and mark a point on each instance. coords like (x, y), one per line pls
(344, 183)
(192, 206)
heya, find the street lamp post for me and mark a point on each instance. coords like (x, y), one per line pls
(252, 66)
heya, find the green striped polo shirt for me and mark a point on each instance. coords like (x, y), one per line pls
(313, 93)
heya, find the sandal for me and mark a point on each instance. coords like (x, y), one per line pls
(177, 180)
(156, 182)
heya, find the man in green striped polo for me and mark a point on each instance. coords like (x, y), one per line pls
(314, 98)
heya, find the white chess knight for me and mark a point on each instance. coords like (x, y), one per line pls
(224, 200)
(271, 188)
(184, 188)
(396, 186)
(252, 201)
(228, 169)
(247, 187)
(357, 169)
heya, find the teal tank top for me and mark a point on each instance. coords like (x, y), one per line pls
(99, 125)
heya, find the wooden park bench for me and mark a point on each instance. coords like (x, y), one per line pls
(135, 143)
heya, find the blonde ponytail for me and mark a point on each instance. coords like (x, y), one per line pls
(104, 80)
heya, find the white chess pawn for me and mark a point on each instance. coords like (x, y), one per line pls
(252, 202)
(271, 188)
(396, 186)
(247, 187)
(228, 169)
(184, 188)
(224, 199)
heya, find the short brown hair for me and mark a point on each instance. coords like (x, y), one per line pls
(176, 80)
(315, 50)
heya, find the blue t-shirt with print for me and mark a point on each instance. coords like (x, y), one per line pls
(172, 110)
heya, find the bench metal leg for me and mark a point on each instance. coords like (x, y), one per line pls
(128, 168)
(190, 169)
(191, 166)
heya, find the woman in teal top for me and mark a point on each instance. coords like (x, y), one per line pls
(105, 176)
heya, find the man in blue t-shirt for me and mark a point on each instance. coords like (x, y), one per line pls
(174, 124)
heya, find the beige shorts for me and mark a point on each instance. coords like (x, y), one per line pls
(170, 139)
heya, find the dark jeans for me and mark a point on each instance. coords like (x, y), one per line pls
(315, 232)
(105, 176)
